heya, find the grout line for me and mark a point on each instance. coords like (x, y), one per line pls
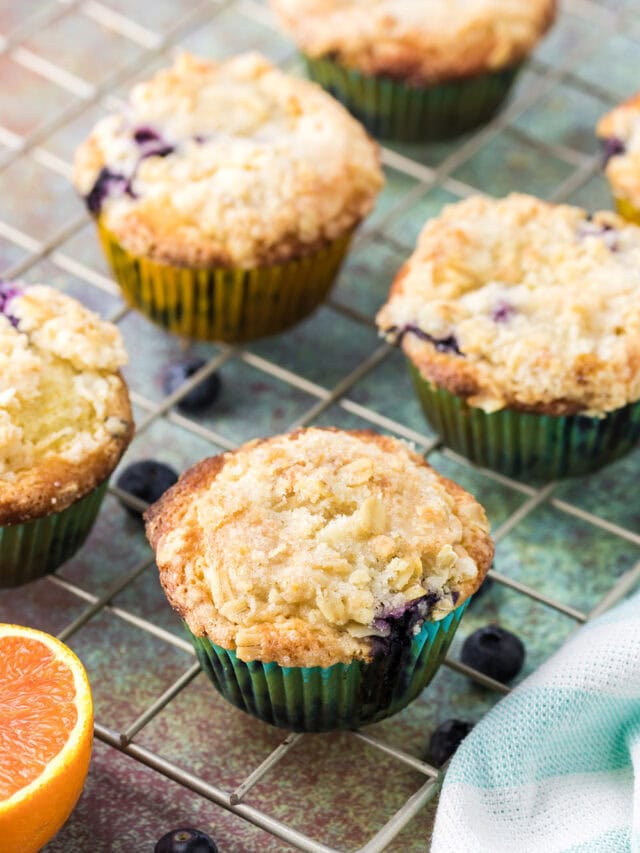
(161, 702)
(262, 769)
(523, 511)
(624, 585)
(120, 24)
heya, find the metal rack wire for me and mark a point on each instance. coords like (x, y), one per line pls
(608, 21)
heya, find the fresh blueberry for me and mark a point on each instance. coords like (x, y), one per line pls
(185, 840)
(204, 393)
(8, 291)
(611, 148)
(108, 183)
(147, 480)
(502, 311)
(446, 739)
(448, 344)
(146, 134)
(495, 652)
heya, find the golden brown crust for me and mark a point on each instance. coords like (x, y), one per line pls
(255, 167)
(417, 42)
(521, 304)
(56, 483)
(182, 531)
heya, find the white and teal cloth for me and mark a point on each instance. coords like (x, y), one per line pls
(555, 766)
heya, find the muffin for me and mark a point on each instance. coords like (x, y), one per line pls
(521, 323)
(413, 71)
(321, 574)
(65, 421)
(226, 195)
(619, 131)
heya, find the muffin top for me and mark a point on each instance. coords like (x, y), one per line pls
(620, 132)
(228, 164)
(65, 417)
(519, 303)
(317, 547)
(414, 40)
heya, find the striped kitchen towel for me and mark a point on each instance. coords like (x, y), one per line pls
(555, 766)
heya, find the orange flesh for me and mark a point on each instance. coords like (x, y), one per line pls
(37, 711)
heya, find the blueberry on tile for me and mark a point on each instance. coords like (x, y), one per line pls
(185, 840)
(446, 739)
(494, 652)
(205, 392)
(147, 480)
(611, 147)
(108, 183)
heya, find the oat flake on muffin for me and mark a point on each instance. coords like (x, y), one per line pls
(620, 132)
(303, 549)
(523, 304)
(65, 417)
(417, 41)
(231, 164)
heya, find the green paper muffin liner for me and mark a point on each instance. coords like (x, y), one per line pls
(628, 210)
(36, 548)
(394, 110)
(342, 696)
(534, 447)
(229, 305)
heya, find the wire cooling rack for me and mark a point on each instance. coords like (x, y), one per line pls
(64, 63)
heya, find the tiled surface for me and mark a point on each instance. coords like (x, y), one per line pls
(571, 548)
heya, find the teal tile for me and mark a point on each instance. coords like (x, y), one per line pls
(388, 390)
(507, 165)
(566, 116)
(152, 351)
(35, 200)
(231, 32)
(576, 562)
(40, 604)
(367, 275)
(396, 187)
(254, 404)
(27, 100)
(80, 45)
(406, 227)
(323, 349)
(614, 66)
(46, 272)
(607, 492)
(595, 194)
(568, 33)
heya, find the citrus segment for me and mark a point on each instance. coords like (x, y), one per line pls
(46, 724)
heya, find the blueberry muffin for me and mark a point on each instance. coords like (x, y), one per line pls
(65, 421)
(226, 194)
(619, 131)
(521, 322)
(416, 71)
(321, 574)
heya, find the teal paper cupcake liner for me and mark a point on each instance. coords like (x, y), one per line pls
(394, 110)
(36, 548)
(530, 446)
(343, 696)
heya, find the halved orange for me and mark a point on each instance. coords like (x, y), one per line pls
(46, 731)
